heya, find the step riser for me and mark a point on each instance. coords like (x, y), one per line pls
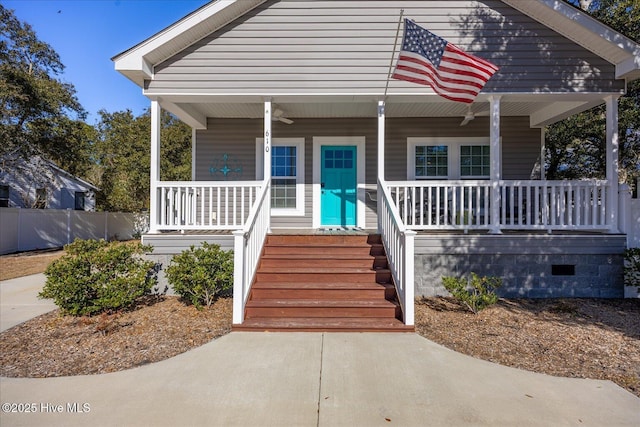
(275, 239)
(324, 250)
(370, 277)
(340, 263)
(320, 294)
(320, 312)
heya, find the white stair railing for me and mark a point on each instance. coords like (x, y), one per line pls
(399, 245)
(248, 245)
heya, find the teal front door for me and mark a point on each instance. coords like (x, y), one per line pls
(338, 192)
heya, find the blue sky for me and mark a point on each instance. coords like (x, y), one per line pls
(88, 33)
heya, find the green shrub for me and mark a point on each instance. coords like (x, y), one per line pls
(200, 275)
(476, 294)
(632, 267)
(96, 276)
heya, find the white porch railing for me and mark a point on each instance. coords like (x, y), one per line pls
(547, 205)
(205, 205)
(248, 244)
(399, 245)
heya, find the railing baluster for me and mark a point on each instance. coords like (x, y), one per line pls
(413, 205)
(235, 205)
(577, 207)
(604, 218)
(163, 206)
(242, 205)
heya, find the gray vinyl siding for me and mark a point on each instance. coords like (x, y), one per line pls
(344, 47)
(236, 138)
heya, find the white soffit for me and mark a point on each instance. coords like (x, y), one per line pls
(588, 32)
(137, 62)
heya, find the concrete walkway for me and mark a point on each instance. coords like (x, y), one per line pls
(318, 379)
(19, 300)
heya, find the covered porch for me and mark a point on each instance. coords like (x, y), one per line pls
(404, 210)
(485, 201)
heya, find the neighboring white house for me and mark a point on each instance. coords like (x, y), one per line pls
(285, 96)
(39, 183)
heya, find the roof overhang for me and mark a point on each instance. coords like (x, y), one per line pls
(588, 32)
(137, 63)
(542, 108)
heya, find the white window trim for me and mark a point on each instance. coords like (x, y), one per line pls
(453, 163)
(289, 142)
(360, 143)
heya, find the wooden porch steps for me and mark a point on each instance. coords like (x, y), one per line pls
(323, 283)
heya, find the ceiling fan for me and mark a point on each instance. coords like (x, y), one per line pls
(278, 116)
(471, 115)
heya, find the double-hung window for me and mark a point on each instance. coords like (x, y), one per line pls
(79, 199)
(432, 161)
(475, 161)
(287, 175)
(448, 158)
(4, 196)
(283, 177)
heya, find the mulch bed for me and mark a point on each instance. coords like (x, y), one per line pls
(579, 338)
(52, 345)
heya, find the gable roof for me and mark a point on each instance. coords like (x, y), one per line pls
(586, 31)
(137, 62)
(15, 166)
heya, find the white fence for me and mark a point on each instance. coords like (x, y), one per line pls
(30, 229)
(630, 216)
(633, 234)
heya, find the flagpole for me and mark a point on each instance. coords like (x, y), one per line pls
(395, 44)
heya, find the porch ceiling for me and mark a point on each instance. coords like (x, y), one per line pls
(542, 109)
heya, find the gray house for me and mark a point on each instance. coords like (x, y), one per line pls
(302, 143)
(39, 183)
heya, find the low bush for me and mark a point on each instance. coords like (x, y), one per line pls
(476, 294)
(96, 276)
(632, 267)
(201, 274)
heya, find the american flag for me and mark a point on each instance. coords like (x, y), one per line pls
(427, 59)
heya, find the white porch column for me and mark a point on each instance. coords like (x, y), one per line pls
(381, 177)
(612, 162)
(381, 130)
(193, 154)
(155, 167)
(496, 172)
(543, 148)
(267, 154)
